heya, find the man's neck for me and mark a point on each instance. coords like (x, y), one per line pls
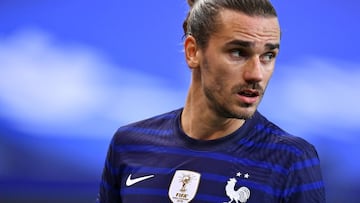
(202, 123)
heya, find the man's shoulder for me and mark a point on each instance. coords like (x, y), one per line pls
(154, 125)
(155, 119)
(280, 138)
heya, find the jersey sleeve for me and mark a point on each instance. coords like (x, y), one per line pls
(109, 191)
(305, 183)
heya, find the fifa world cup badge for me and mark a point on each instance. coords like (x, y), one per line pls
(184, 186)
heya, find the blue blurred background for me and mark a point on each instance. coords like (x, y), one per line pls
(73, 71)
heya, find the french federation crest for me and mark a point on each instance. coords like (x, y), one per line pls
(237, 195)
(184, 186)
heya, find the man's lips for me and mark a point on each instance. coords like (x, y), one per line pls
(249, 96)
(249, 93)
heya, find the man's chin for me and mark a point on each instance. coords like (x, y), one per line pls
(245, 113)
(237, 112)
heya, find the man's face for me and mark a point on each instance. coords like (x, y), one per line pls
(238, 62)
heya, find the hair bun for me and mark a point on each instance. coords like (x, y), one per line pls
(191, 2)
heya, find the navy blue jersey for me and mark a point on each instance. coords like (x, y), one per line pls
(155, 161)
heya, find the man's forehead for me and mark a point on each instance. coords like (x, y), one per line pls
(239, 21)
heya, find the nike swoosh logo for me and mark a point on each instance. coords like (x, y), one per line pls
(130, 182)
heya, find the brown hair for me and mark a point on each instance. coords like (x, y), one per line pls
(202, 17)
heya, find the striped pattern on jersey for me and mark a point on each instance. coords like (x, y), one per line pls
(273, 165)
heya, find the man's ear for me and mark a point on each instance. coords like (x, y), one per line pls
(192, 52)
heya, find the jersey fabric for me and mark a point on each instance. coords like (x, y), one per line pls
(155, 161)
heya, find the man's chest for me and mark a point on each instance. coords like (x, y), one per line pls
(198, 179)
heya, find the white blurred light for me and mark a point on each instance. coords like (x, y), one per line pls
(47, 86)
(315, 96)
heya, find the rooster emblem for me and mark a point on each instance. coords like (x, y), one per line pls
(241, 195)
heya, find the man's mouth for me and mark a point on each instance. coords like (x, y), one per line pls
(249, 96)
(249, 93)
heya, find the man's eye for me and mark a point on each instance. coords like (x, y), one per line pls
(268, 57)
(237, 53)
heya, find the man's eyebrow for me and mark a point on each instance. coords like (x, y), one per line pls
(271, 46)
(247, 44)
(240, 43)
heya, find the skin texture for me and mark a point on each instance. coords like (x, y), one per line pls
(230, 75)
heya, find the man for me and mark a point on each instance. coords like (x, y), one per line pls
(218, 148)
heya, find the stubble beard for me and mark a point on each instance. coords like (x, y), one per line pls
(223, 108)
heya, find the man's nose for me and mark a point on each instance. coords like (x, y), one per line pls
(253, 70)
